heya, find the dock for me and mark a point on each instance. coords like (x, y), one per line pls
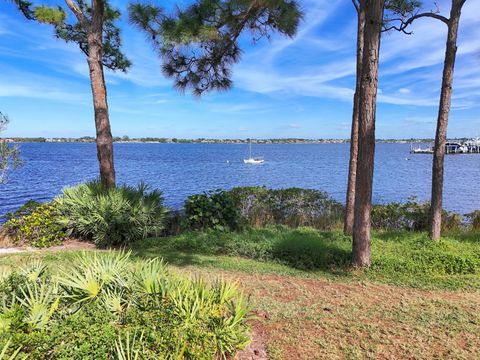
(451, 147)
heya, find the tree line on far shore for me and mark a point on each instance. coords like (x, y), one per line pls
(198, 45)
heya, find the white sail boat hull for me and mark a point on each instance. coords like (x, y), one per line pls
(253, 161)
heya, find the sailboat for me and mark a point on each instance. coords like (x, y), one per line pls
(253, 160)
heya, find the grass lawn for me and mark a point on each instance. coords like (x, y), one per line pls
(419, 300)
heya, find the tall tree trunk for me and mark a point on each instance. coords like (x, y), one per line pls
(352, 168)
(442, 121)
(366, 139)
(99, 91)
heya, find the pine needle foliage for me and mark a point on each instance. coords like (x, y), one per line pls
(200, 44)
(112, 56)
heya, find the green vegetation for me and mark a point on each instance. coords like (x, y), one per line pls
(9, 155)
(113, 216)
(259, 207)
(35, 224)
(108, 305)
(331, 310)
(294, 207)
(474, 219)
(412, 216)
(212, 210)
(401, 258)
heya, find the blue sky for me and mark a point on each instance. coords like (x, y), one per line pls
(299, 87)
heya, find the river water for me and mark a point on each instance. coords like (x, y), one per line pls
(180, 170)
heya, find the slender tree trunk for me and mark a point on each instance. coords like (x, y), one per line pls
(366, 139)
(99, 91)
(352, 169)
(442, 121)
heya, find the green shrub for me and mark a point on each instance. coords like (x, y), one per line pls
(294, 207)
(114, 216)
(411, 215)
(24, 210)
(260, 207)
(418, 256)
(175, 223)
(474, 219)
(401, 216)
(212, 210)
(106, 306)
(36, 225)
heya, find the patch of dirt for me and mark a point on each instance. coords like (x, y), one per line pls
(257, 349)
(321, 319)
(5, 251)
(73, 244)
(69, 244)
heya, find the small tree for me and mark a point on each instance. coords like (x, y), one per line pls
(9, 155)
(95, 32)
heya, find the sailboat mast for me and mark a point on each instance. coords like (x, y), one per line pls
(250, 149)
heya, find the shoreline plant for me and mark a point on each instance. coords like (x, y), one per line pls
(113, 216)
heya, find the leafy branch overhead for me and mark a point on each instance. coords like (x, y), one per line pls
(78, 31)
(200, 44)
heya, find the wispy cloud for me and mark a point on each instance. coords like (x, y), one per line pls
(282, 86)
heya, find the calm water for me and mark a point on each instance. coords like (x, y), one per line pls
(183, 169)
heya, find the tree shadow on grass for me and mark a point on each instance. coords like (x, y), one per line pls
(318, 251)
(177, 258)
(301, 249)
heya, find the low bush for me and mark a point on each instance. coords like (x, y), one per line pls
(411, 215)
(474, 219)
(24, 210)
(35, 225)
(417, 255)
(108, 306)
(175, 223)
(259, 207)
(113, 216)
(212, 210)
(294, 207)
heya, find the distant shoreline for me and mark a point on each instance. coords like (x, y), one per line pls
(125, 140)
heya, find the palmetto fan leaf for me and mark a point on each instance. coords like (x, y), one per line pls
(79, 284)
(129, 347)
(151, 282)
(34, 270)
(114, 216)
(40, 300)
(14, 356)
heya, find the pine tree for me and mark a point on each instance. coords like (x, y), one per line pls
(97, 36)
(199, 45)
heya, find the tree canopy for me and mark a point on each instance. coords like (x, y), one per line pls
(199, 44)
(77, 31)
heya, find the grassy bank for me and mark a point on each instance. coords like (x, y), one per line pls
(399, 258)
(310, 304)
